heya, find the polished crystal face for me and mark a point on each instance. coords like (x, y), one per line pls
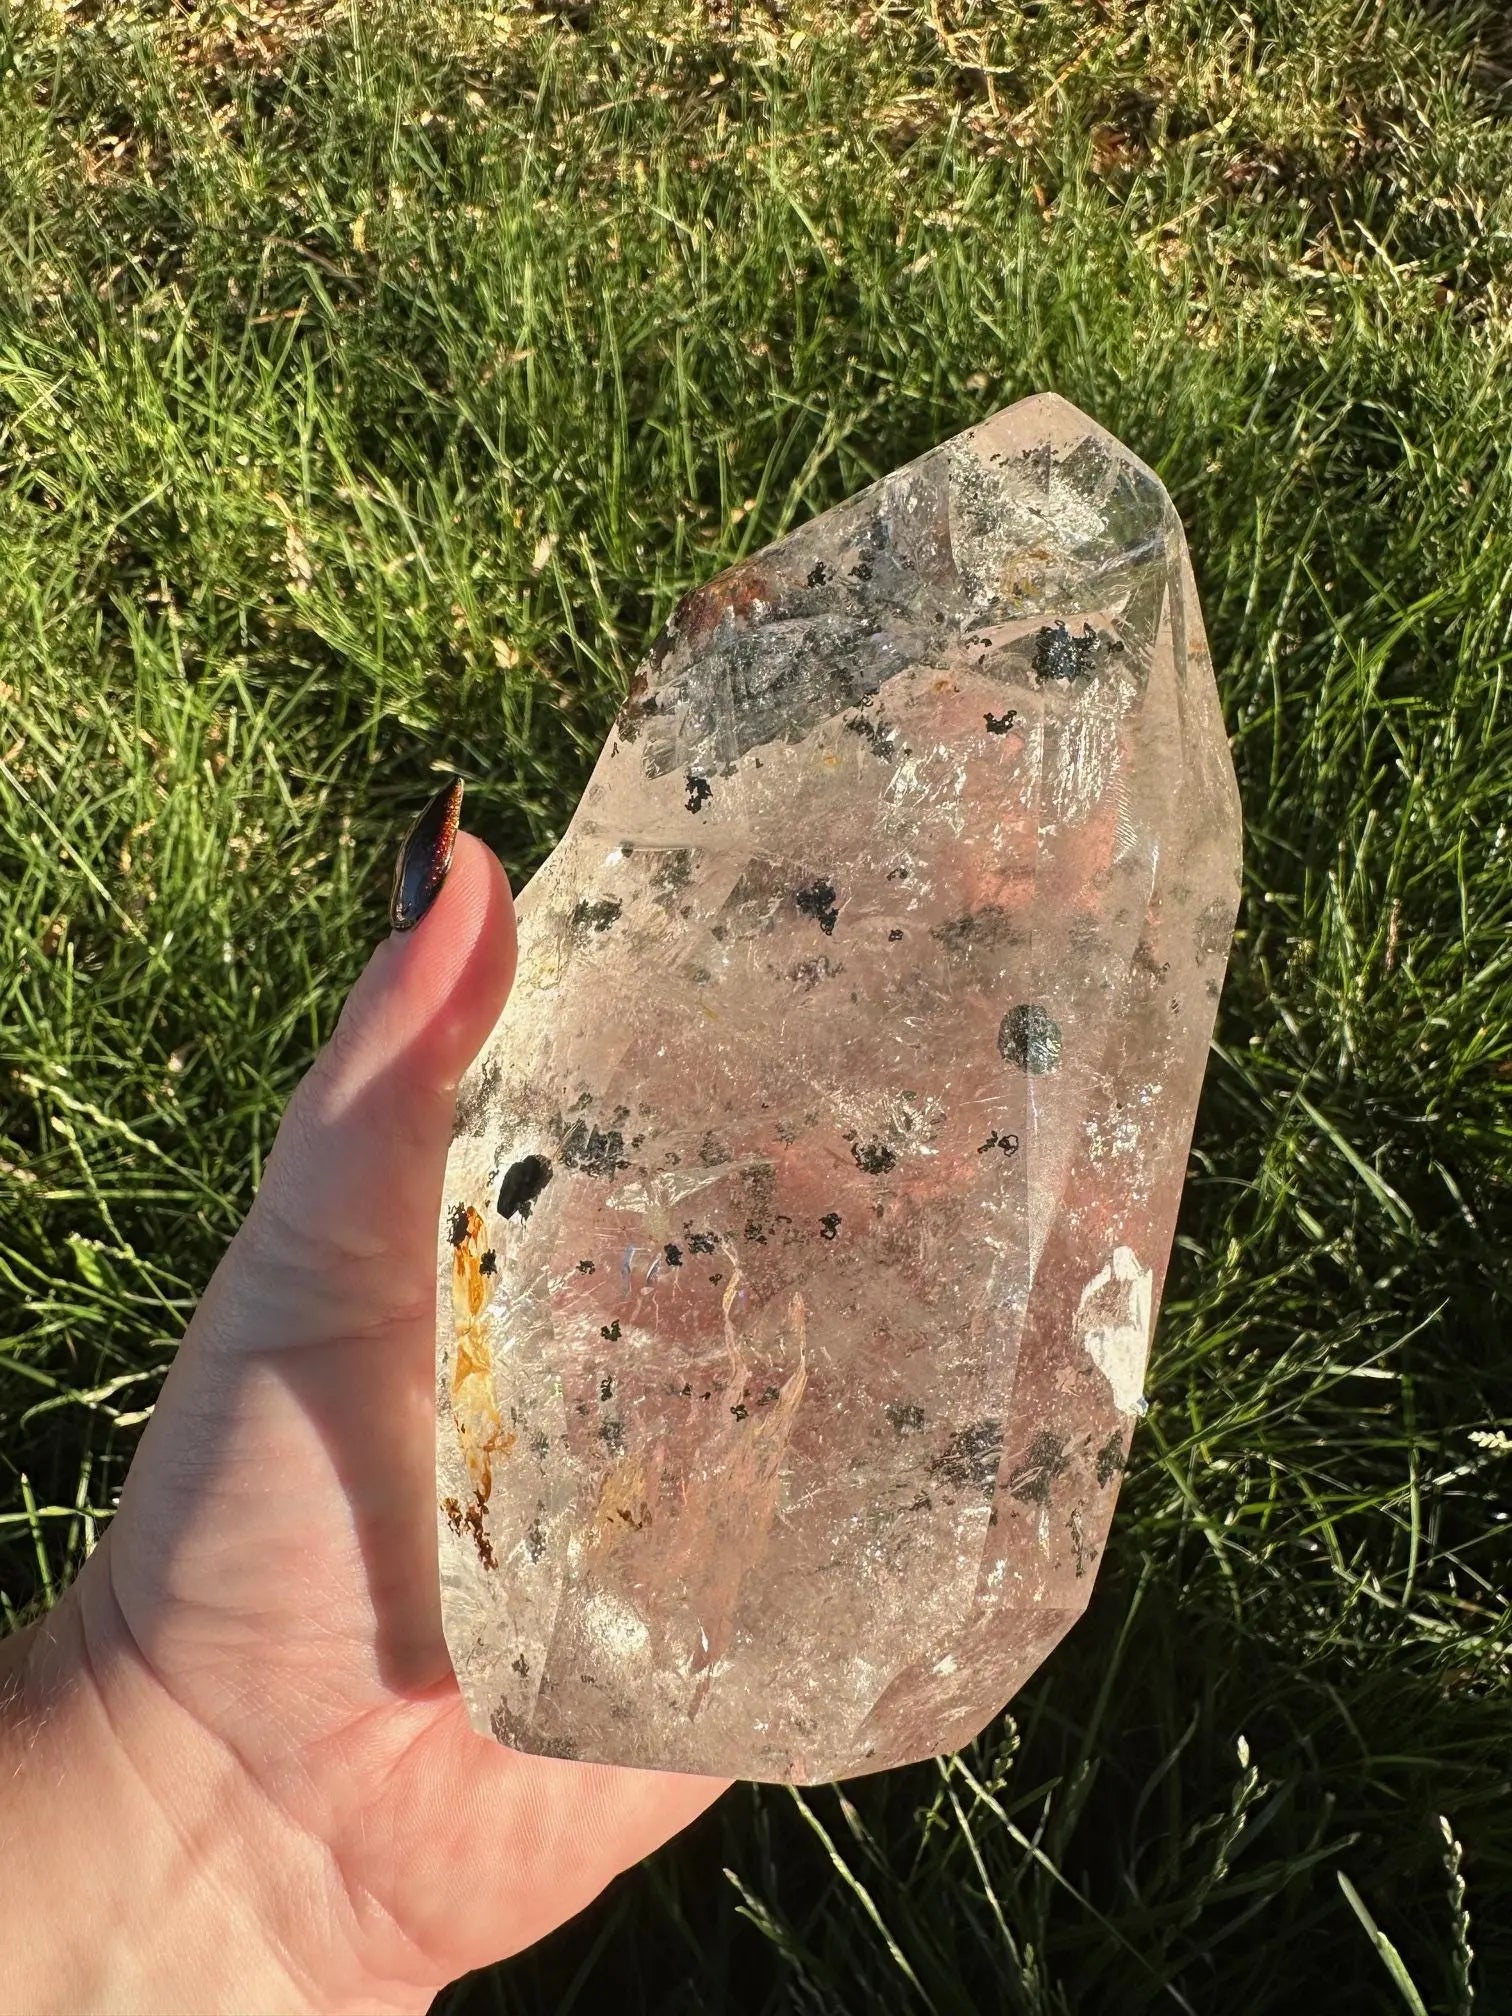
(809, 1206)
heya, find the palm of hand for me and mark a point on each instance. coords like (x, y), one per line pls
(271, 1575)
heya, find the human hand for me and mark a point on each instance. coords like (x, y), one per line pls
(240, 1772)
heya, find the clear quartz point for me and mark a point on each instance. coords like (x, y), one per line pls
(809, 1206)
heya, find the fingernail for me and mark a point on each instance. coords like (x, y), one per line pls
(424, 857)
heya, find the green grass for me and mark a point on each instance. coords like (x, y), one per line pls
(372, 380)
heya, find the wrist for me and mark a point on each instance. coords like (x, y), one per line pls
(144, 1870)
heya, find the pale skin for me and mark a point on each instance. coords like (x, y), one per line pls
(235, 1770)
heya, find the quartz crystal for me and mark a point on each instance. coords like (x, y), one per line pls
(809, 1206)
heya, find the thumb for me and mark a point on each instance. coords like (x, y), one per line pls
(352, 1188)
(336, 1256)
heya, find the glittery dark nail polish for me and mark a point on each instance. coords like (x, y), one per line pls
(424, 857)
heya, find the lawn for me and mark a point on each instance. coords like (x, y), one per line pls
(374, 378)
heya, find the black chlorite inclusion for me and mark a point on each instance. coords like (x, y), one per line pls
(1030, 1038)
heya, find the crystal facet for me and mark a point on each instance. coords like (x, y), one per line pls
(809, 1206)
